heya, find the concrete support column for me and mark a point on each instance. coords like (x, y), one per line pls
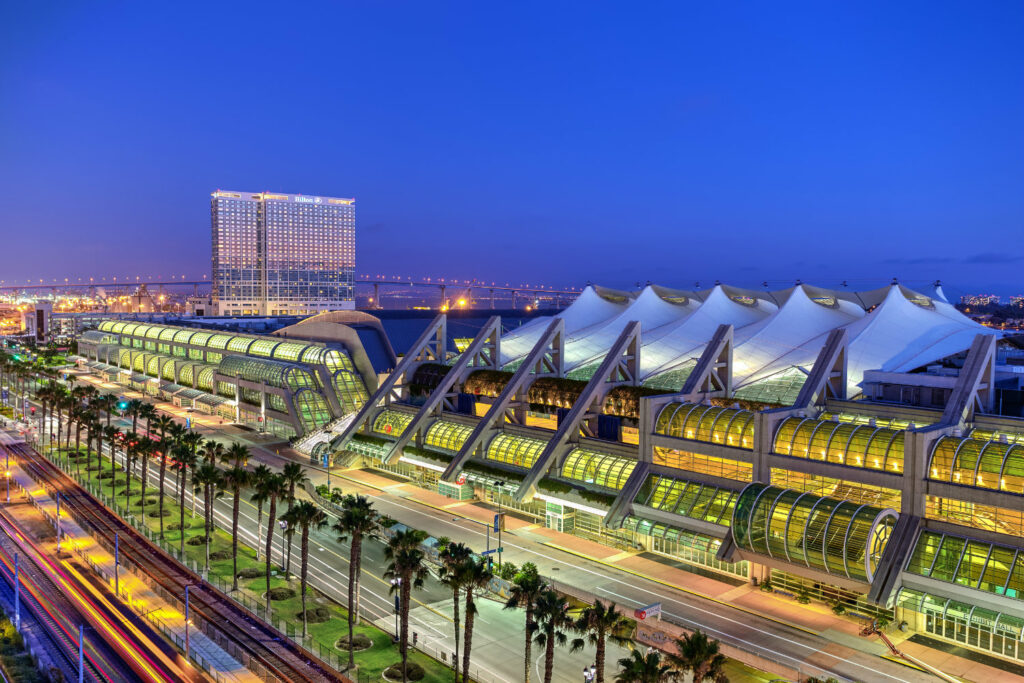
(764, 431)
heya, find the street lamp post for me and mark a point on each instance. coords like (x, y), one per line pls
(397, 588)
(499, 485)
(186, 623)
(284, 533)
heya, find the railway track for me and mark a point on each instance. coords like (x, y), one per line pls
(266, 650)
(53, 611)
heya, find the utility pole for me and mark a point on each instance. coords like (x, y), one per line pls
(81, 653)
(117, 558)
(186, 623)
(17, 595)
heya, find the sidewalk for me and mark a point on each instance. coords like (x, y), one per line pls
(133, 590)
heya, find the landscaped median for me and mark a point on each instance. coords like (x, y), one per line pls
(327, 620)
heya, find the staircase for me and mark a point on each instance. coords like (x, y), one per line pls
(329, 431)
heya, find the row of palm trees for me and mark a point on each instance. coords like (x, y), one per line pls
(548, 623)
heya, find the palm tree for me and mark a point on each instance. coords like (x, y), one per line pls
(698, 654)
(131, 446)
(148, 413)
(599, 623)
(108, 404)
(294, 474)
(406, 570)
(208, 478)
(640, 668)
(552, 612)
(524, 592)
(111, 434)
(237, 455)
(259, 496)
(170, 436)
(358, 520)
(304, 516)
(235, 479)
(213, 452)
(274, 488)
(477, 576)
(453, 557)
(133, 407)
(192, 441)
(186, 460)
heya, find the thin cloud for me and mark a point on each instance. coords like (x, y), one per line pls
(993, 257)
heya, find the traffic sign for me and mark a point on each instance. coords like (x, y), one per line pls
(491, 552)
(654, 609)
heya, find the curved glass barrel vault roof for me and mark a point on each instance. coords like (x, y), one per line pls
(391, 422)
(836, 536)
(995, 465)
(841, 443)
(511, 449)
(711, 424)
(600, 469)
(447, 435)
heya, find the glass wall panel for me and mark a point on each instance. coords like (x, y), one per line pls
(447, 435)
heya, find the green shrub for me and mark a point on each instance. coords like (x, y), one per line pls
(282, 593)
(413, 672)
(317, 615)
(838, 609)
(196, 540)
(359, 642)
(251, 573)
(220, 555)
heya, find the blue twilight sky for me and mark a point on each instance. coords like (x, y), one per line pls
(552, 141)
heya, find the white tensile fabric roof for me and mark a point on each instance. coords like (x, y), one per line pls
(892, 328)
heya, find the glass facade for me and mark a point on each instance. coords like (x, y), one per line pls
(967, 624)
(841, 443)
(682, 544)
(704, 464)
(833, 535)
(276, 253)
(687, 498)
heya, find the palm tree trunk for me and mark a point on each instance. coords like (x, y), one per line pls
(549, 655)
(163, 476)
(259, 529)
(355, 559)
(145, 472)
(455, 618)
(181, 514)
(599, 658)
(529, 643)
(405, 591)
(302, 575)
(234, 538)
(468, 644)
(207, 500)
(271, 514)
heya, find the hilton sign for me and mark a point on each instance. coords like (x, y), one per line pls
(309, 200)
